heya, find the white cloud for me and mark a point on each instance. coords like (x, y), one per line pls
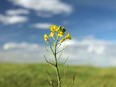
(92, 52)
(13, 16)
(98, 50)
(47, 6)
(17, 11)
(42, 25)
(86, 51)
(23, 45)
(21, 52)
(12, 19)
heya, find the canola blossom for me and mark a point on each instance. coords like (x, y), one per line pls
(51, 34)
(60, 34)
(45, 37)
(57, 32)
(68, 36)
(54, 28)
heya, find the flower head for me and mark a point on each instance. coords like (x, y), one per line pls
(54, 28)
(51, 34)
(46, 37)
(60, 34)
(57, 33)
(68, 36)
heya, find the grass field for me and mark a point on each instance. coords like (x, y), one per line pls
(34, 75)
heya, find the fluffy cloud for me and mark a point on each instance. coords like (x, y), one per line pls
(17, 12)
(23, 45)
(42, 25)
(13, 16)
(21, 52)
(12, 19)
(49, 6)
(86, 51)
(92, 52)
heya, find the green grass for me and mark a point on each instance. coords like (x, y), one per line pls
(34, 75)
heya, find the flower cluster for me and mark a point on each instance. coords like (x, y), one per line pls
(57, 32)
(56, 36)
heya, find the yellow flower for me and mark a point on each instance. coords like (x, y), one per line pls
(62, 40)
(54, 28)
(51, 34)
(60, 34)
(68, 36)
(46, 37)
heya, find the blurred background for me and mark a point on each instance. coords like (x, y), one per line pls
(92, 24)
(92, 50)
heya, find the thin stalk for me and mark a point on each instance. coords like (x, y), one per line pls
(56, 64)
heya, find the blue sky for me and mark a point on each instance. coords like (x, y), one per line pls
(90, 22)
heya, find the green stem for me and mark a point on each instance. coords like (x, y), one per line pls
(56, 65)
(58, 76)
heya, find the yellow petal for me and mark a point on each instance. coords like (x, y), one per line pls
(60, 34)
(68, 36)
(51, 34)
(54, 28)
(45, 37)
